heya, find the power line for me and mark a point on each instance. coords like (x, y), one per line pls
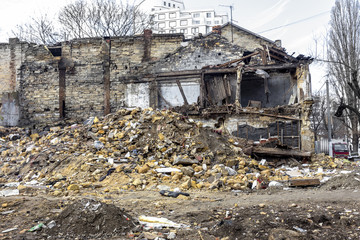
(299, 21)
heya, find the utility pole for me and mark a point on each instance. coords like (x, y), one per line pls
(231, 20)
(328, 116)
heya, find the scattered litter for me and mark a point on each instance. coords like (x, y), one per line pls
(36, 227)
(167, 170)
(9, 230)
(156, 222)
(299, 229)
(7, 212)
(9, 192)
(167, 193)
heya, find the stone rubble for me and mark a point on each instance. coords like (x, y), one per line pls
(140, 150)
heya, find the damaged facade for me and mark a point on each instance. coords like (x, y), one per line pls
(251, 88)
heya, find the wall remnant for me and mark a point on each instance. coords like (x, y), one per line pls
(247, 83)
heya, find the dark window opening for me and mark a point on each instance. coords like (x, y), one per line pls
(126, 67)
(219, 53)
(247, 60)
(198, 55)
(55, 51)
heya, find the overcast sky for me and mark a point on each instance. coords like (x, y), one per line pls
(256, 15)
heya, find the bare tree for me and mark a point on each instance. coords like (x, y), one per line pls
(343, 59)
(102, 18)
(39, 29)
(82, 18)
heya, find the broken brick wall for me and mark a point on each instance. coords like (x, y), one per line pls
(11, 57)
(39, 86)
(90, 71)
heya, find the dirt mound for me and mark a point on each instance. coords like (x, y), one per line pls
(344, 181)
(90, 219)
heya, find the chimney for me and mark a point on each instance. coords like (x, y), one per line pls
(216, 29)
(147, 33)
(278, 43)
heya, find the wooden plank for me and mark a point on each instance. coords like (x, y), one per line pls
(304, 182)
(238, 60)
(182, 92)
(280, 152)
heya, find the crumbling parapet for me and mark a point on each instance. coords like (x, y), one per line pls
(307, 135)
(303, 82)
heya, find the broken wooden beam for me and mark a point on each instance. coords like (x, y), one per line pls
(304, 182)
(182, 92)
(277, 152)
(238, 60)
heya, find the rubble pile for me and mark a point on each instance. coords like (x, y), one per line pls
(89, 219)
(139, 150)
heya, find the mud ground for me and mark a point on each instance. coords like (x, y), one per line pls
(293, 213)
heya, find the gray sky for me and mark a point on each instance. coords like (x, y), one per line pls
(255, 15)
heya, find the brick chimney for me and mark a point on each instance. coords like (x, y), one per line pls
(216, 29)
(147, 33)
(147, 45)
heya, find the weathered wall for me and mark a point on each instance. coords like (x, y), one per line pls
(39, 84)
(93, 71)
(199, 53)
(244, 39)
(11, 58)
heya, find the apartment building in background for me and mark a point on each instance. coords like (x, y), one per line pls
(170, 16)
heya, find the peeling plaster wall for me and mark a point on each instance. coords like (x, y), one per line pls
(137, 95)
(11, 58)
(10, 110)
(171, 93)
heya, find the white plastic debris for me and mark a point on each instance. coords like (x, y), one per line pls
(275, 184)
(299, 229)
(9, 192)
(231, 171)
(167, 170)
(156, 222)
(163, 187)
(262, 162)
(9, 230)
(12, 184)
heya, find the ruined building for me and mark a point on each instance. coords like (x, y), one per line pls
(231, 79)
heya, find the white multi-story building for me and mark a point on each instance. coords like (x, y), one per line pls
(170, 16)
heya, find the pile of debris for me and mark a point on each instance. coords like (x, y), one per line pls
(138, 150)
(90, 219)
